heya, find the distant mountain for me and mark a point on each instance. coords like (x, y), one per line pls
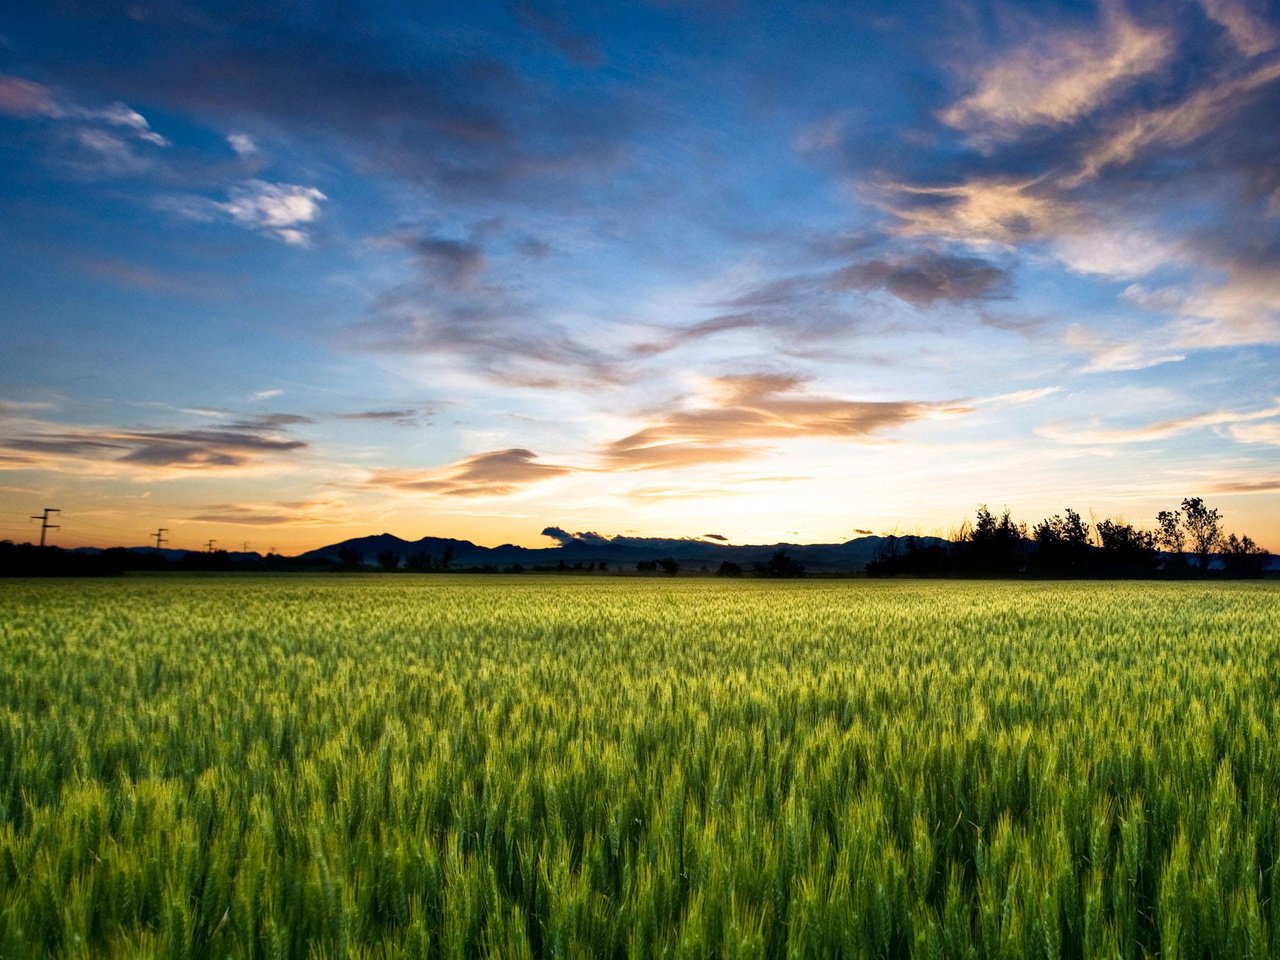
(627, 551)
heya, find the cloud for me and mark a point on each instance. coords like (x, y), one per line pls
(1271, 485)
(89, 141)
(573, 46)
(25, 98)
(983, 210)
(1268, 432)
(21, 408)
(1164, 429)
(1201, 112)
(317, 512)
(228, 447)
(750, 408)
(816, 305)
(277, 209)
(456, 264)
(242, 144)
(268, 394)
(1058, 76)
(452, 116)
(1248, 30)
(487, 328)
(925, 279)
(493, 474)
(1111, 354)
(403, 418)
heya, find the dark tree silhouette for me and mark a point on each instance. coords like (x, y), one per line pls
(1204, 528)
(1124, 550)
(1241, 557)
(1171, 538)
(418, 562)
(729, 569)
(780, 565)
(1062, 544)
(995, 545)
(669, 566)
(388, 561)
(349, 559)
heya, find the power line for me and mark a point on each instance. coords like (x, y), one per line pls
(45, 525)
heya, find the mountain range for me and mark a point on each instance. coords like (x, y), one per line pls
(619, 550)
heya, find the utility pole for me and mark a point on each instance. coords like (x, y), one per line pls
(209, 546)
(245, 548)
(161, 539)
(45, 525)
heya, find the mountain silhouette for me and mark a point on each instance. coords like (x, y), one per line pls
(621, 550)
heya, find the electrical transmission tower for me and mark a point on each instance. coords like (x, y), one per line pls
(209, 546)
(161, 539)
(45, 525)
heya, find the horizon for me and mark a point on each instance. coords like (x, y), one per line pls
(285, 276)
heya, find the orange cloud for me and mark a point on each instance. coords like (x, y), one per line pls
(754, 407)
(485, 475)
(1059, 76)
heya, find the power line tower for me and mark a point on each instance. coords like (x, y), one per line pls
(245, 547)
(161, 539)
(209, 546)
(45, 525)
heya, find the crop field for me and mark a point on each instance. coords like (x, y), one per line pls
(388, 766)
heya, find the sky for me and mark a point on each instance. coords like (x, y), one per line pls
(286, 273)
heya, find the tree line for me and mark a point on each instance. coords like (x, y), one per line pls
(1185, 542)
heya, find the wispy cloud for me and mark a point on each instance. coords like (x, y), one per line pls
(1058, 76)
(94, 141)
(497, 473)
(1244, 25)
(1164, 429)
(744, 410)
(229, 447)
(317, 512)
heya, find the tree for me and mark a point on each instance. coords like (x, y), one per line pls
(389, 561)
(1126, 550)
(349, 559)
(1062, 543)
(780, 565)
(995, 544)
(1170, 535)
(1204, 528)
(646, 566)
(669, 566)
(729, 569)
(1241, 557)
(418, 562)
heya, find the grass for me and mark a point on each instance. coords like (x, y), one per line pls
(512, 767)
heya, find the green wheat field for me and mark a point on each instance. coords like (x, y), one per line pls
(453, 766)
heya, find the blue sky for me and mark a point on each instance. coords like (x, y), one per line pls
(287, 273)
